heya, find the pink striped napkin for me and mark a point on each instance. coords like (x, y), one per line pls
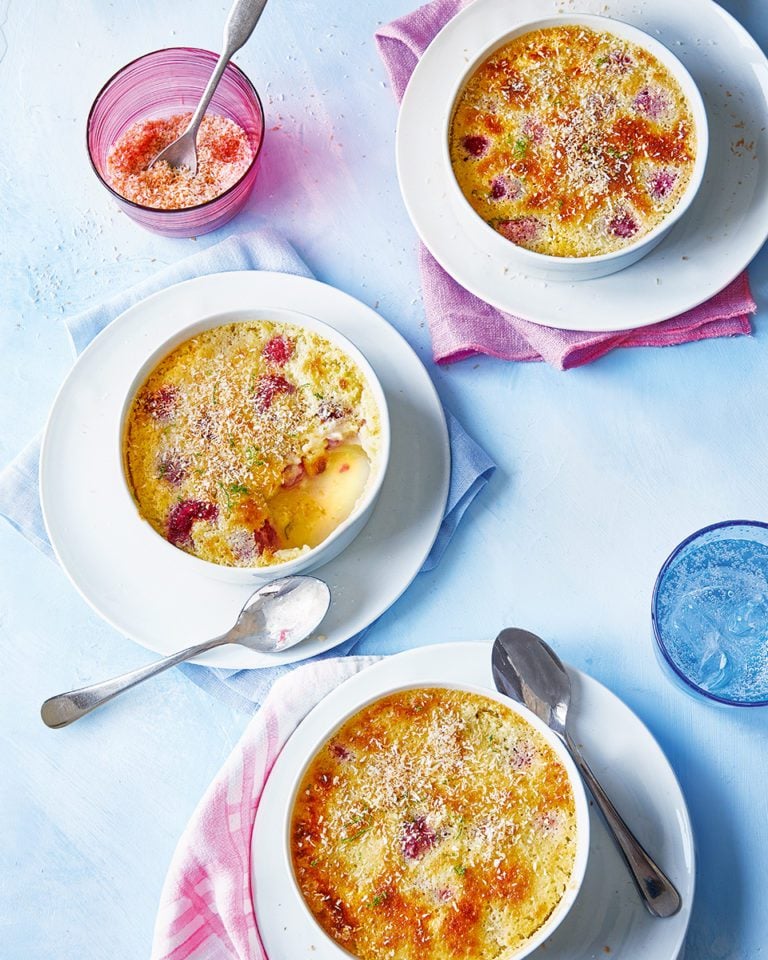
(462, 325)
(206, 907)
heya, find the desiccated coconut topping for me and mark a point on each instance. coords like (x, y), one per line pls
(434, 825)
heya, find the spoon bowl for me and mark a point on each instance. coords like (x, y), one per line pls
(530, 672)
(277, 616)
(281, 614)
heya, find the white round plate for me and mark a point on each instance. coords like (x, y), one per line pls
(125, 575)
(608, 912)
(718, 236)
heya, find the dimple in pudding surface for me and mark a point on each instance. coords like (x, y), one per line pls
(572, 142)
(251, 442)
(434, 824)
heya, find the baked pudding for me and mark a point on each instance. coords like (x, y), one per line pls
(251, 442)
(572, 142)
(434, 824)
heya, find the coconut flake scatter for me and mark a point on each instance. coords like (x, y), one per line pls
(223, 156)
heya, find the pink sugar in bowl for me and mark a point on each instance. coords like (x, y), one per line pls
(147, 96)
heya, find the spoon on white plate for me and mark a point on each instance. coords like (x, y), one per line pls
(528, 670)
(276, 617)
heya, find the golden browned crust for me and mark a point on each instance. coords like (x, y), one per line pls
(435, 824)
(571, 142)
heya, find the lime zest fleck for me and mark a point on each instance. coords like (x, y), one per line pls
(227, 497)
(252, 456)
(357, 835)
(521, 146)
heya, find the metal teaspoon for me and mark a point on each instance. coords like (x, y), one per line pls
(526, 669)
(240, 24)
(277, 616)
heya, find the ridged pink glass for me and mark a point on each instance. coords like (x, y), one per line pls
(161, 84)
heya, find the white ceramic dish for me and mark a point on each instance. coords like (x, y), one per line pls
(345, 533)
(607, 912)
(723, 229)
(322, 732)
(494, 245)
(121, 568)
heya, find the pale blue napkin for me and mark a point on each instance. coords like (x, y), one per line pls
(471, 467)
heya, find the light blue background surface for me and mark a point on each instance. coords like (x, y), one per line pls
(602, 471)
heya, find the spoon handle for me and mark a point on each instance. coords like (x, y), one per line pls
(240, 24)
(657, 890)
(61, 710)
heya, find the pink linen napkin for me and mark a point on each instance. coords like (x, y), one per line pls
(206, 908)
(463, 325)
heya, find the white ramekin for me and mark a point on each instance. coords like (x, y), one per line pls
(543, 265)
(346, 532)
(322, 734)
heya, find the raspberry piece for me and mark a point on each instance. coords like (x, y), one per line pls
(172, 469)
(661, 182)
(534, 129)
(330, 411)
(522, 755)
(505, 188)
(417, 838)
(651, 102)
(268, 387)
(206, 427)
(183, 515)
(623, 225)
(340, 751)
(498, 188)
(601, 106)
(476, 146)
(279, 350)
(265, 538)
(620, 61)
(547, 823)
(292, 475)
(162, 403)
(520, 230)
(243, 547)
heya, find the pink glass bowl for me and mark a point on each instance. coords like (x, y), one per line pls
(161, 84)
